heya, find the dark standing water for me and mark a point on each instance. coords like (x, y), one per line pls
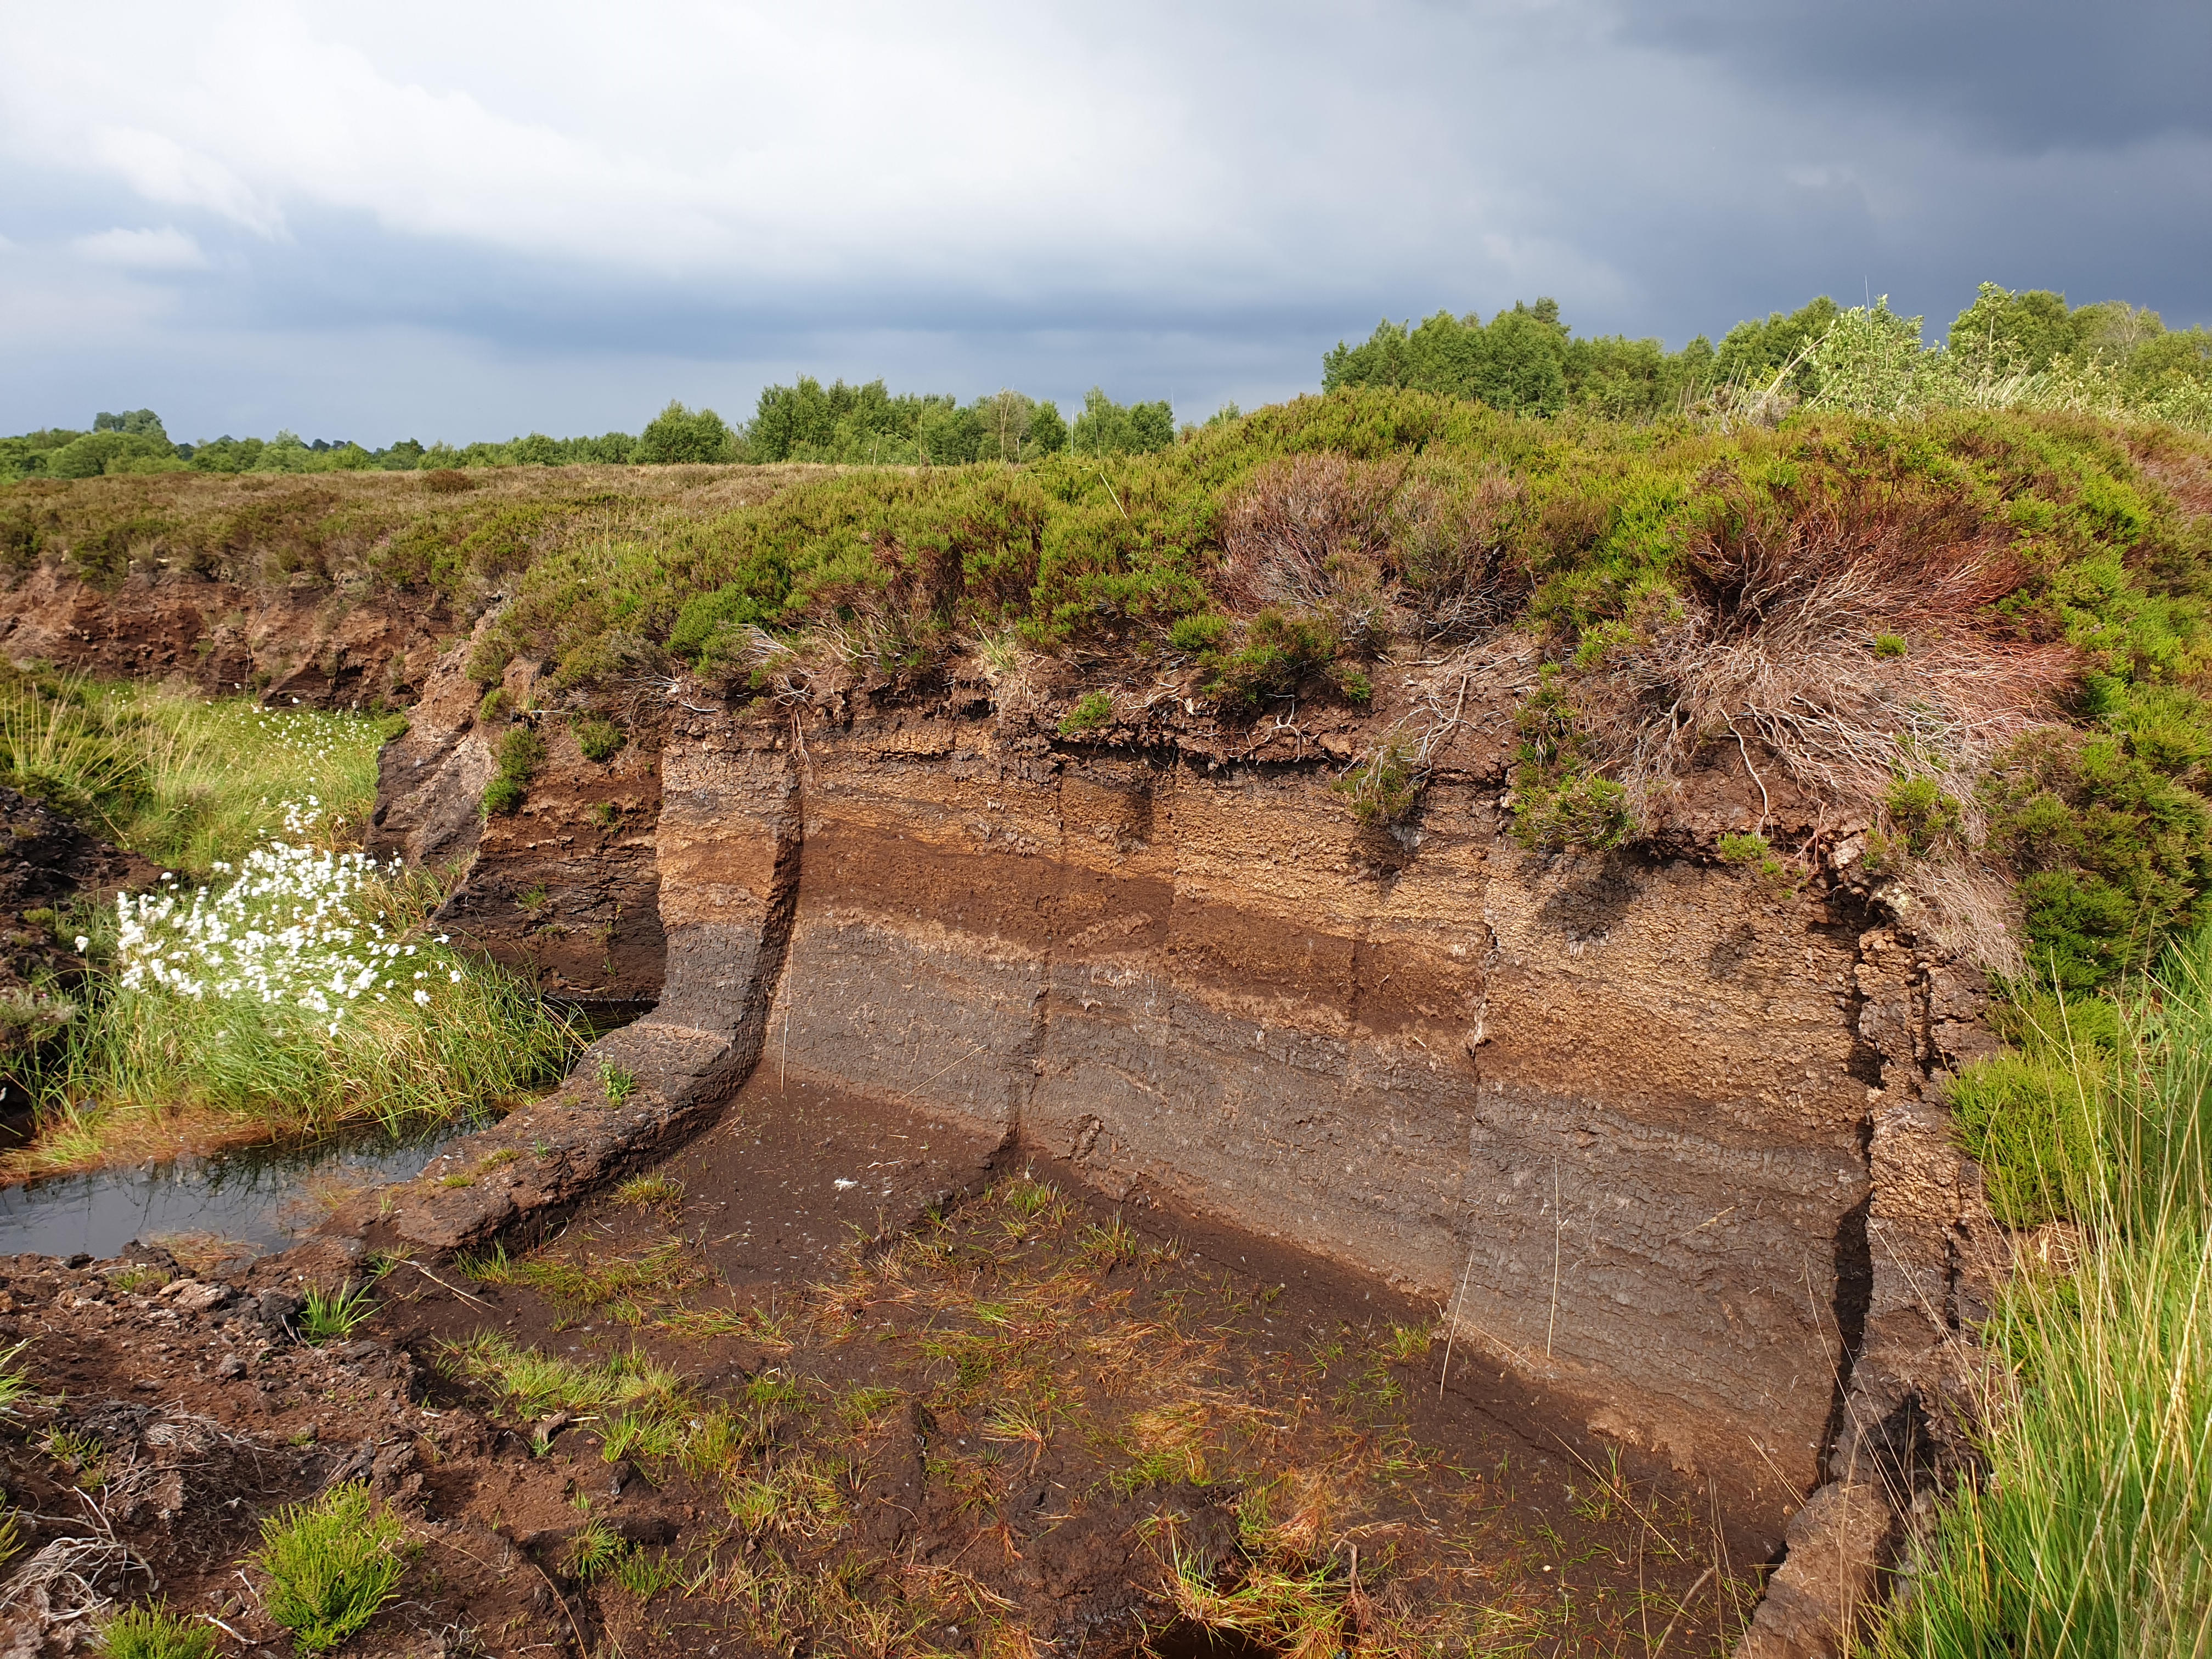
(261, 1198)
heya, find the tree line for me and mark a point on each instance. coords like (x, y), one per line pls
(2023, 350)
(850, 425)
(1526, 361)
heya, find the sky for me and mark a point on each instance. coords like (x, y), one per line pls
(467, 221)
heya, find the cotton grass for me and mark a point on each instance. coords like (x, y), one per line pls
(304, 990)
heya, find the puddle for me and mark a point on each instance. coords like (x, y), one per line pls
(262, 1197)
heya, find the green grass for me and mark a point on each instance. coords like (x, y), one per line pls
(533, 1383)
(330, 1315)
(210, 788)
(187, 781)
(331, 1565)
(153, 1633)
(2091, 1533)
(432, 1036)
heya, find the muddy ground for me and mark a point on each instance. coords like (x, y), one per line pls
(834, 1380)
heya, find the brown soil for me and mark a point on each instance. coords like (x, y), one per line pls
(988, 1413)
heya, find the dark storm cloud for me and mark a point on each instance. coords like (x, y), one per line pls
(2026, 75)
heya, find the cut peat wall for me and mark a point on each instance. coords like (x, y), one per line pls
(1623, 1115)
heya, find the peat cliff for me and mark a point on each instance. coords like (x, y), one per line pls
(1655, 1132)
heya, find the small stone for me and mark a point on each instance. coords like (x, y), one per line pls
(232, 1366)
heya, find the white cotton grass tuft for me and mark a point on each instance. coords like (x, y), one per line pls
(302, 988)
(284, 930)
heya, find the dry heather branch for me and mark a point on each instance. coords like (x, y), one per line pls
(61, 1585)
(1306, 530)
(1370, 547)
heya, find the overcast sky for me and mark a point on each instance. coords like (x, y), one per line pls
(471, 221)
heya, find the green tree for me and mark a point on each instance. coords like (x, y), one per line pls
(138, 423)
(1106, 428)
(677, 433)
(1753, 353)
(2030, 330)
(1048, 432)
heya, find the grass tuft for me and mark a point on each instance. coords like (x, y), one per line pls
(153, 1633)
(2088, 1536)
(330, 1315)
(331, 1564)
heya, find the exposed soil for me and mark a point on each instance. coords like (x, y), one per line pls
(47, 863)
(981, 1411)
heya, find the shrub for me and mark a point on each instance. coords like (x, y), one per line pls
(1580, 810)
(331, 1564)
(153, 1633)
(1201, 632)
(1282, 652)
(1385, 788)
(1091, 711)
(1921, 814)
(599, 739)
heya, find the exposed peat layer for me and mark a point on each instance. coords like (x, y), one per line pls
(1544, 875)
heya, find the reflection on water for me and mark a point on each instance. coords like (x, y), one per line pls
(262, 1197)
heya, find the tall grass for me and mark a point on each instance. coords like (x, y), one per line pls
(187, 781)
(2091, 1533)
(309, 993)
(301, 988)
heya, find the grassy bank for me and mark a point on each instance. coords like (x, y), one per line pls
(276, 982)
(188, 781)
(2091, 1533)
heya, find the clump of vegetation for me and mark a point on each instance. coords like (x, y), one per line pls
(305, 992)
(1752, 852)
(331, 1565)
(2092, 1517)
(1090, 711)
(1386, 788)
(330, 1315)
(617, 1083)
(521, 751)
(152, 1632)
(599, 739)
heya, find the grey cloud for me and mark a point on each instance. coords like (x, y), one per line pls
(2026, 75)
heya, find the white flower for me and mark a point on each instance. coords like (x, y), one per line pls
(82, 941)
(422, 996)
